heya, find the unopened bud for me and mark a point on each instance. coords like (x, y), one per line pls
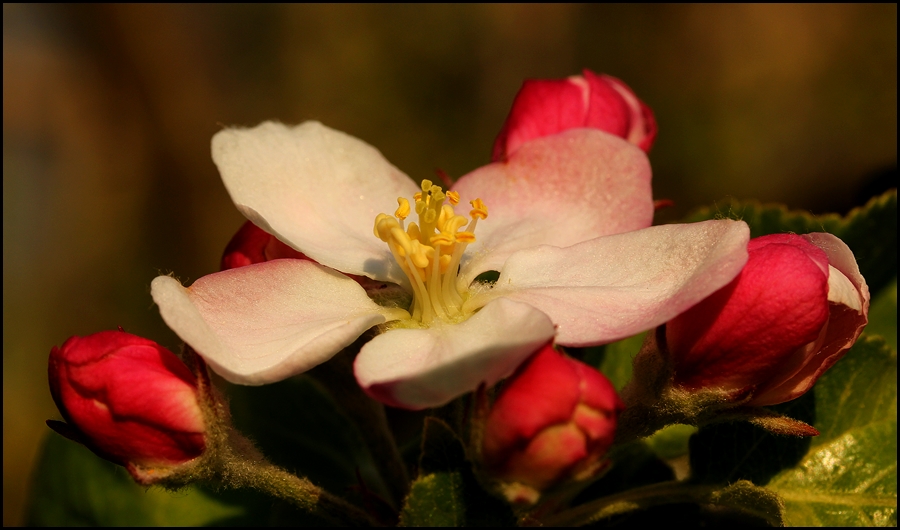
(554, 421)
(797, 306)
(129, 400)
(544, 107)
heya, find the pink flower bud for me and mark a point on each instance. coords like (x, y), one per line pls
(554, 421)
(251, 244)
(797, 306)
(129, 400)
(549, 106)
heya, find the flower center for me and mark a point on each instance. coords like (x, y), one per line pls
(429, 252)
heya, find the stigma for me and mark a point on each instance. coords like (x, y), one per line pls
(429, 251)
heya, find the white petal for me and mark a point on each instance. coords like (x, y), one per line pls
(840, 257)
(841, 291)
(317, 190)
(265, 322)
(419, 368)
(559, 190)
(612, 287)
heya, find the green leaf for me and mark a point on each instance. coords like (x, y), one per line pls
(869, 231)
(446, 493)
(297, 426)
(849, 475)
(615, 359)
(73, 487)
(883, 315)
(435, 499)
(672, 441)
(845, 476)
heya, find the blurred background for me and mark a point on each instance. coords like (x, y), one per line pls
(108, 112)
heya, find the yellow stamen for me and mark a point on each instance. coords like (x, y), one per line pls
(403, 210)
(478, 209)
(429, 251)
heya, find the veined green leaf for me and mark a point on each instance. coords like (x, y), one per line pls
(849, 475)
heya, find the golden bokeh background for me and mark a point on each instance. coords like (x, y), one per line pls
(108, 112)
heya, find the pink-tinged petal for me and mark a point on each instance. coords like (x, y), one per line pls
(612, 287)
(420, 368)
(268, 321)
(847, 318)
(316, 189)
(559, 190)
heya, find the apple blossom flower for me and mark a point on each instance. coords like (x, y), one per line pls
(554, 421)
(563, 221)
(794, 310)
(129, 400)
(549, 106)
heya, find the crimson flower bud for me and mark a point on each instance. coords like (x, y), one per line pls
(251, 244)
(549, 106)
(554, 421)
(796, 307)
(129, 400)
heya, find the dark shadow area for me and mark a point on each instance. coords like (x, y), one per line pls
(728, 452)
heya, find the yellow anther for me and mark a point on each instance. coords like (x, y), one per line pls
(383, 225)
(454, 223)
(413, 231)
(446, 214)
(478, 209)
(417, 196)
(403, 210)
(465, 237)
(454, 197)
(444, 262)
(442, 239)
